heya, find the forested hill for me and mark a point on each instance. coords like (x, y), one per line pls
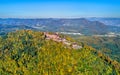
(108, 45)
(28, 52)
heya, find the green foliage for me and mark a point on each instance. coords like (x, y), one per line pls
(27, 52)
(108, 45)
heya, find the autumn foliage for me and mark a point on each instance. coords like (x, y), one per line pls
(27, 52)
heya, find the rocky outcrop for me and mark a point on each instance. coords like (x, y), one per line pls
(57, 38)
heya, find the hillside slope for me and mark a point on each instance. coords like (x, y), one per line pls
(27, 52)
(108, 45)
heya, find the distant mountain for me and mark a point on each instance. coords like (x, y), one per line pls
(107, 21)
(8, 28)
(78, 25)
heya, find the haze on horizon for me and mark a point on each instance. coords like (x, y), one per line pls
(59, 8)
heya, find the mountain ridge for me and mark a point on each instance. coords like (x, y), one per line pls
(79, 25)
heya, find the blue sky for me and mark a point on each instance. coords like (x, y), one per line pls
(59, 8)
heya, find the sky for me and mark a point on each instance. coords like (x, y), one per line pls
(59, 8)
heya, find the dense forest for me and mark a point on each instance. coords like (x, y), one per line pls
(27, 52)
(108, 45)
